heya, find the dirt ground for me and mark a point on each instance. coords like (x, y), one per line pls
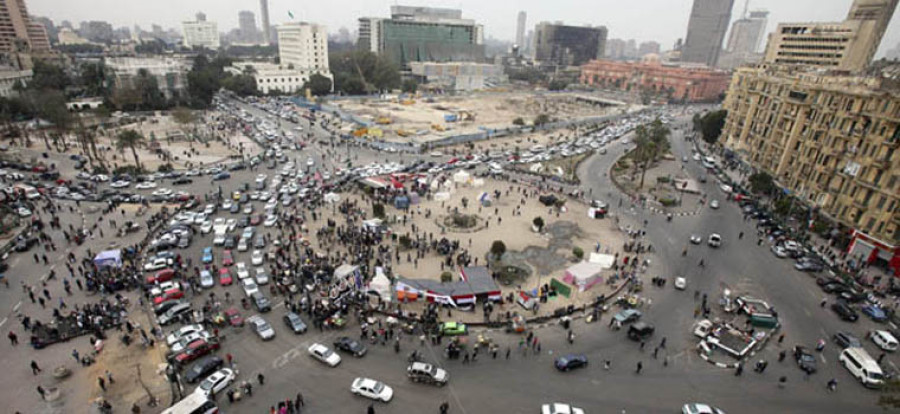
(423, 119)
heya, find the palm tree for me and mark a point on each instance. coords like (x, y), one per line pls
(130, 139)
(652, 141)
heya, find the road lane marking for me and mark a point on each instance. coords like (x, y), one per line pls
(3, 322)
(18, 305)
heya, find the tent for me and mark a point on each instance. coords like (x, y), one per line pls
(475, 284)
(380, 284)
(583, 275)
(605, 260)
(462, 177)
(332, 198)
(108, 258)
(442, 196)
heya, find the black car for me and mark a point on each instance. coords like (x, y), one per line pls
(202, 368)
(230, 242)
(236, 167)
(846, 340)
(293, 321)
(244, 222)
(25, 243)
(235, 208)
(165, 306)
(570, 362)
(809, 265)
(845, 311)
(350, 346)
(805, 360)
(834, 287)
(182, 181)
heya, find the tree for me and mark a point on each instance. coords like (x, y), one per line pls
(410, 86)
(498, 248)
(518, 121)
(557, 85)
(378, 210)
(183, 116)
(362, 72)
(538, 223)
(578, 252)
(242, 85)
(710, 125)
(93, 79)
(318, 85)
(652, 141)
(541, 119)
(130, 138)
(48, 76)
(446, 277)
(762, 183)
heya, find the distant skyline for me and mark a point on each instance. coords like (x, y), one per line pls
(666, 21)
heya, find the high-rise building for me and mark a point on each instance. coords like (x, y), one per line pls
(631, 49)
(830, 139)
(97, 31)
(52, 32)
(848, 45)
(264, 14)
(558, 44)
(615, 49)
(520, 30)
(646, 48)
(706, 30)
(422, 34)
(247, 26)
(18, 32)
(747, 32)
(304, 46)
(201, 33)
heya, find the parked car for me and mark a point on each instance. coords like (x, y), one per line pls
(874, 312)
(197, 349)
(453, 328)
(293, 321)
(262, 328)
(216, 382)
(884, 339)
(698, 408)
(560, 408)
(206, 279)
(179, 333)
(225, 278)
(261, 302)
(202, 368)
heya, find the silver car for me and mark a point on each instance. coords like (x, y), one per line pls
(262, 328)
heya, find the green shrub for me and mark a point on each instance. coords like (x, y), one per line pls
(668, 201)
(378, 210)
(578, 252)
(446, 277)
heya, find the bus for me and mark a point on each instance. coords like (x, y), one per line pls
(196, 403)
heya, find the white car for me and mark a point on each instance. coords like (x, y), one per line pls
(696, 239)
(248, 209)
(270, 220)
(779, 251)
(262, 277)
(206, 227)
(186, 340)
(714, 204)
(241, 269)
(560, 408)
(157, 264)
(173, 337)
(715, 240)
(262, 328)
(120, 184)
(23, 212)
(310, 162)
(209, 209)
(325, 355)
(216, 382)
(261, 177)
(101, 178)
(257, 257)
(163, 192)
(226, 205)
(697, 408)
(372, 389)
(146, 185)
(206, 279)
(885, 340)
(680, 283)
(249, 287)
(725, 188)
(243, 245)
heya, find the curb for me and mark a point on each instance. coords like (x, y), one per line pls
(758, 348)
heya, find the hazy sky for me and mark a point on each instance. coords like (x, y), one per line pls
(660, 20)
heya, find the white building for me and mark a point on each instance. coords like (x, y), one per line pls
(459, 76)
(303, 46)
(276, 78)
(9, 77)
(170, 73)
(201, 33)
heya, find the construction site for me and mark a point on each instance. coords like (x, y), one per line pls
(413, 119)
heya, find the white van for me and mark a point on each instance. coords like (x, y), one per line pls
(884, 340)
(862, 366)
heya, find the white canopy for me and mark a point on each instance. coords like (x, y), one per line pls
(462, 177)
(332, 198)
(381, 285)
(605, 260)
(441, 196)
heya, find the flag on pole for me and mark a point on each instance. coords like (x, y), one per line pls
(291, 14)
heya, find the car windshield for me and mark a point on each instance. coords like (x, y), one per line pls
(378, 387)
(207, 384)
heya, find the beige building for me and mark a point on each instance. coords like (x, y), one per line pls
(848, 45)
(201, 33)
(304, 46)
(18, 30)
(831, 140)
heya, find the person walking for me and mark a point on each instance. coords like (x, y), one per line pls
(640, 367)
(261, 378)
(445, 407)
(13, 338)
(102, 383)
(35, 369)
(371, 409)
(75, 355)
(42, 392)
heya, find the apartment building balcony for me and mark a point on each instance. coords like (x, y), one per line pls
(860, 204)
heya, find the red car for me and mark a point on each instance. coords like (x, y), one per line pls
(197, 349)
(164, 275)
(234, 317)
(227, 258)
(168, 295)
(225, 277)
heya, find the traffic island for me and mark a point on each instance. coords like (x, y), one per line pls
(745, 328)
